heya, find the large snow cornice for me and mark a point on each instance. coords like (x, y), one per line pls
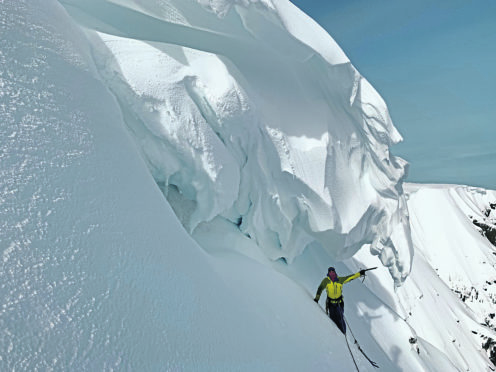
(250, 112)
(96, 271)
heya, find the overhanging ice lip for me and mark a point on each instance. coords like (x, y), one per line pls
(257, 116)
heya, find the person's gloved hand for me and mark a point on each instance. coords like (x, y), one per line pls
(362, 272)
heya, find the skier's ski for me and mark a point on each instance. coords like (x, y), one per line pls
(352, 357)
(374, 364)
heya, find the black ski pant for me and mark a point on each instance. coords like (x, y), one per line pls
(336, 313)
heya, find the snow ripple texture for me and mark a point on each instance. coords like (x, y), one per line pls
(250, 112)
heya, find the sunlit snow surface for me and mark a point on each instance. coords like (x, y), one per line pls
(277, 146)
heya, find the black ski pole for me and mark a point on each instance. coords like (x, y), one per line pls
(365, 270)
(374, 364)
(372, 268)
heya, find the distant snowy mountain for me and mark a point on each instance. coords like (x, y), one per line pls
(462, 257)
(272, 152)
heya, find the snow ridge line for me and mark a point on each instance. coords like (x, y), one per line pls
(114, 19)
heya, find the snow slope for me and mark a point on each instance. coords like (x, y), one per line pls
(464, 261)
(97, 271)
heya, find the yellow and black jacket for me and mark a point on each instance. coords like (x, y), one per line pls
(334, 289)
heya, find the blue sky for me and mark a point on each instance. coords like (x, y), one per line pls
(434, 62)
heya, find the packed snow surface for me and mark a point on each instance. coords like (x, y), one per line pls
(267, 144)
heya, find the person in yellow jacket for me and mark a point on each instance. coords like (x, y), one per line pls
(334, 303)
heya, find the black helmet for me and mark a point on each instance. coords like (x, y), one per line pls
(331, 269)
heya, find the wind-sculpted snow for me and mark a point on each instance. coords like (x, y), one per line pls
(249, 111)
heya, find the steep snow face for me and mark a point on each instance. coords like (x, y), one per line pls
(249, 112)
(462, 256)
(450, 248)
